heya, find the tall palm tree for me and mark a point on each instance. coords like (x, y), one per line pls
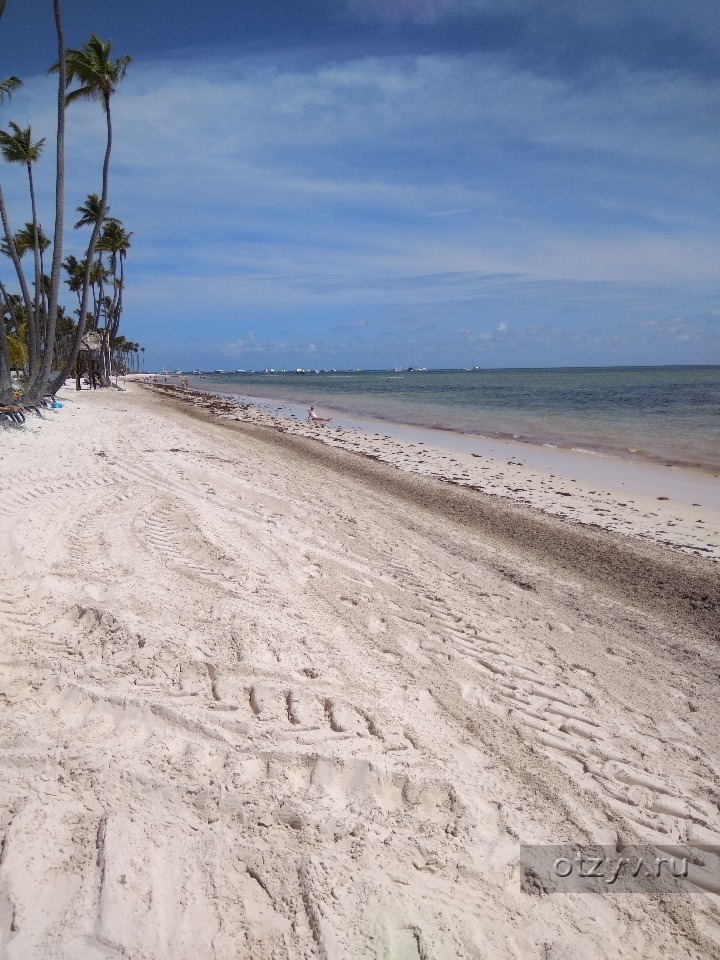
(7, 87)
(91, 212)
(39, 384)
(18, 147)
(32, 237)
(115, 241)
(98, 77)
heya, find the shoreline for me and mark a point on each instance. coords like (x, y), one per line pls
(674, 507)
(635, 454)
(262, 694)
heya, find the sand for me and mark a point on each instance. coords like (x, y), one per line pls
(267, 698)
(660, 502)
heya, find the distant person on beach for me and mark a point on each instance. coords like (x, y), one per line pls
(315, 418)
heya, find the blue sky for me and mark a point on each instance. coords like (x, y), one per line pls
(371, 183)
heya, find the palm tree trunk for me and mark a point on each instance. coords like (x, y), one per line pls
(105, 340)
(35, 320)
(32, 341)
(59, 380)
(39, 385)
(116, 308)
(6, 388)
(43, 296)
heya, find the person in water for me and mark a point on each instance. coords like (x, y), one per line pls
(315, 418)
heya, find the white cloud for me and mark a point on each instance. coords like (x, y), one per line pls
(401, 186)
(698, 19)
(423, 12)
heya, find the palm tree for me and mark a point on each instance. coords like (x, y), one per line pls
(9, 84)
(38, 385)
(76, 271)
(18, 147)
(98, 77)
(115, 240)
(32, 237)
(91, 213)
(7, 87)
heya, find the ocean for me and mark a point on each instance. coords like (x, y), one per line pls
(662, 414)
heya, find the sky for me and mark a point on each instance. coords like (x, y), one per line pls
(376, 183)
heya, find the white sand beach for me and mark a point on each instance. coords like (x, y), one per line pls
(265, 698)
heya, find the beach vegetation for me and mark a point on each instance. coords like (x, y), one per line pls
(37, 337)
(17, 349)
(127, 355)
(17, 146)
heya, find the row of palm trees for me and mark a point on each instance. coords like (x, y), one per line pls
(126, 355)
(104, 318)
(35, 322)
(107, 278)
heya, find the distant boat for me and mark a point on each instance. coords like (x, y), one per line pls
(218, 371)
(196, 373)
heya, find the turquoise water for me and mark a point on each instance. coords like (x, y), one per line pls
(670, 414)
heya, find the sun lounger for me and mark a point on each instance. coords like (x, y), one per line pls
(34, 407)
(14, 413)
